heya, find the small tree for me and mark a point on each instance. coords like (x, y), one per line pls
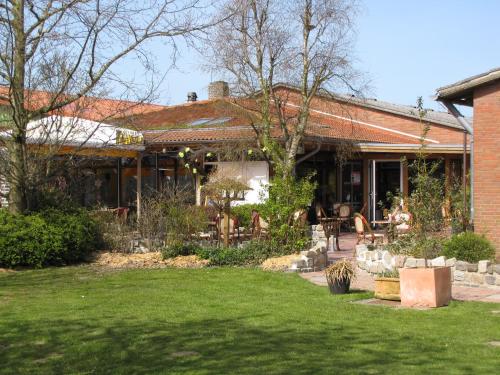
(426, 200)
(222, 190)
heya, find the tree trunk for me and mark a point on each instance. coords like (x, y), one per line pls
(17, 150)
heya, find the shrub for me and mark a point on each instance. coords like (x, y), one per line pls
(47, 238)
(469, 246)
(286, 196)
(179, 249)
(244, 213)
(417, 246)
(252, 254)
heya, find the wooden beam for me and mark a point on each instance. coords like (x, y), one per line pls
(139, 185)
(119, 182)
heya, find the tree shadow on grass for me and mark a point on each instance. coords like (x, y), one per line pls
(216, 346)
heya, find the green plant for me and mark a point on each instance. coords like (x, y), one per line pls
(469, 246)
(413, 245)
(252, 253)
(47, 238)
(286, 196)
(393, 274)
(341, 271)
(244, 213)
(179, 249)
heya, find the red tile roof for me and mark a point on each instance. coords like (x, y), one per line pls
(90, 108)
(172, 125)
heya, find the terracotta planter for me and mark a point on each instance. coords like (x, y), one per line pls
(387, 288)
(425, 287)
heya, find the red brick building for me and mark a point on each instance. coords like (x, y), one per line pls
(482, 92)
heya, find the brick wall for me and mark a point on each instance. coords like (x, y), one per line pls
(487, 162)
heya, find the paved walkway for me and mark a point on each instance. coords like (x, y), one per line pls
(364, 280)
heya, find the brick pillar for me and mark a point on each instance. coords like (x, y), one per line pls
(487, 162)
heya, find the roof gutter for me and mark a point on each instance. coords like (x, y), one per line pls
(470, 130)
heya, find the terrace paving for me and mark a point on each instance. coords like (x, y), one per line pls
(364, 280)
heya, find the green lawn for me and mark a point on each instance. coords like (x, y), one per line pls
(244, 321)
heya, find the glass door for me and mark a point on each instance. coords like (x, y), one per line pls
(385, 178)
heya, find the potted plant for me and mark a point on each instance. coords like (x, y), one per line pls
(387, 285)
(339, 276)
(429, 286)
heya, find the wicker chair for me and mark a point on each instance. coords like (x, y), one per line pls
(363, 229)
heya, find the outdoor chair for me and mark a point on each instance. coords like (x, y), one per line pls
(259, 226)
(363, 230)
(400, 223)
(345, 215)
(234, 230)
(320, 212)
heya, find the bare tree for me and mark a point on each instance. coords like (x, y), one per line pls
(306, 43)
(56, 54)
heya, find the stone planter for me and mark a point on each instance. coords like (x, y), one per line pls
(387, 288)
(425, 287)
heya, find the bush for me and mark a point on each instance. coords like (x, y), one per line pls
(286, 196)
(179, 249)
(469, 246)
(46, 238)
(416, 246)
(252, 254)
(244, 213)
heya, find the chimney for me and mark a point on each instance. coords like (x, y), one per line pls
(218, 89)
(192, 96)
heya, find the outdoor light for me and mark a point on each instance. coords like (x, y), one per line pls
(186, 165)
(250, 152)
(195, 170)
(187, 149)
(181, 154)
(209, 154)
(164, 151)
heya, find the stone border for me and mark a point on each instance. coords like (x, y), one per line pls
(484, 273)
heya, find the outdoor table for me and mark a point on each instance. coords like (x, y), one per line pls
(331, 225)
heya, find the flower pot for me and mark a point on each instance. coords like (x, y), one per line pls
(387, 288)
(425, 287)
(339, 286)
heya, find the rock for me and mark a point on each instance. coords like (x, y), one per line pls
(361, 264)
(483, 265)
(304, 252)
(311, 254)
(477, 278)
(410, 262)
(421, 263)
(461, 265)
(490, 279)
(376, 268)
(490, 269)
(452, 273)
(496, 268)
(399, 261)
(375, 255)
(438, 262)
(451, 262)
(360, 249)
(471, 267)
(459, 275)
(386, 256)
(497, 282)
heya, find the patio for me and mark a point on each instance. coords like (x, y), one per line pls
(365, 281)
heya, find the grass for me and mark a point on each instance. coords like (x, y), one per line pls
(214, 321)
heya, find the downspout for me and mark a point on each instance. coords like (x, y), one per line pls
(468, 127)
(312, 153)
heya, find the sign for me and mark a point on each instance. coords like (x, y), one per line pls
(124, 137)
